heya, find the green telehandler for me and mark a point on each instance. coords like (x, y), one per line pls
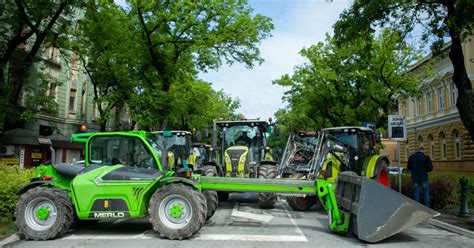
(124, 179)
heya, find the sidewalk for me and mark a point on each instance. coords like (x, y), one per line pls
(450, 216)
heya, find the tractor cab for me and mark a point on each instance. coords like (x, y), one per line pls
(174, 148)
(352, 149)
(360, 143)
(242, 146)
(201, 154)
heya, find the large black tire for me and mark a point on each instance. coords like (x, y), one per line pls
(192, 205)
(211, 195)
(299, 203)
(59, 218)
(382, 173)
(267, 200)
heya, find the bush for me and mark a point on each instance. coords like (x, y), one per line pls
(12, 179)
(443, 190)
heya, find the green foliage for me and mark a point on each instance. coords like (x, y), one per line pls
(435, 20)
(28, 26)
(14, 179)
(348, 85)
(7, 227)
(177, 39)
(364, 16)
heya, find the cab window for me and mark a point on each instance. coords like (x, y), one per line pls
(128, 151)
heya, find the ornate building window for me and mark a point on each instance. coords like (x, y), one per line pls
(457, 144)
(407, 150)
(429, 102)
(442, 143)
(432, 146)
(440, 98)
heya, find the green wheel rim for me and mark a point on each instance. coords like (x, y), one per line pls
(41, 214)
(175, 211)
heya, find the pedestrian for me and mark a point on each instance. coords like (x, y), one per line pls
(419, 165)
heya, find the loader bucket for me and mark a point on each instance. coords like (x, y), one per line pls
(377, 212)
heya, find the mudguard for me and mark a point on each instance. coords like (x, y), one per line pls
(35, 183)
(370, 164)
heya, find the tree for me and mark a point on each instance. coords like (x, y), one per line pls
(107, 48)
(180, 38)
(25, 27)
(350, 84)
(438, 18)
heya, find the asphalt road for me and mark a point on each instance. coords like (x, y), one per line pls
(240, 223)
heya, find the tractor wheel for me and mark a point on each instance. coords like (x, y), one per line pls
(381, 173)
(44, 213)
(299, 203)
(211, 195)
(267, 200)
(177, 211)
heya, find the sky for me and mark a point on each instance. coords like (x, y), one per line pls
(297, 24)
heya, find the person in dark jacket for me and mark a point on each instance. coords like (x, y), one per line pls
(419, 165)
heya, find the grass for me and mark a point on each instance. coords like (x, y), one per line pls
(7, 227)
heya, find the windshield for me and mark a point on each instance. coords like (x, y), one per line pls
(347, 138)
(179, 144)
(241, 136)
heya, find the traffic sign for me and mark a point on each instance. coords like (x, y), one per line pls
(397, 127)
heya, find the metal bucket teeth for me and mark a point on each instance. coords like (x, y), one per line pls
(377, 212)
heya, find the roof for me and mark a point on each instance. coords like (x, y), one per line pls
(247, 122)
(366, 129)
(175, 132)
(201, 145)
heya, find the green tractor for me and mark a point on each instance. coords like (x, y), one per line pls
(240, 150)
(124, 179)
(356, 153)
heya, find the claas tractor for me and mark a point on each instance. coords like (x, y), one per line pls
(240, 150)
(357, 154)
(141, 186)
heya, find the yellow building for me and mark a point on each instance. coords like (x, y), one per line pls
(433, 119)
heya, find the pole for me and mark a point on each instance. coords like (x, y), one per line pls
(399, 171)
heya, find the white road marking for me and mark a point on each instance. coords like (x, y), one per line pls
(257, 217)
(105, 237)
(247, 237)
(297, 228)
(197, 237)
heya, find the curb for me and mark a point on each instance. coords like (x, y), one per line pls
(451, 228)
(11, 239)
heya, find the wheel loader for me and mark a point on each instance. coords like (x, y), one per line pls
(139, 186)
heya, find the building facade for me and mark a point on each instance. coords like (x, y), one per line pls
(29, 144)
(433, 119)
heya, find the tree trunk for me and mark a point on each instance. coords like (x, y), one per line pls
(103, 125)
(118, 116)
(465, 101)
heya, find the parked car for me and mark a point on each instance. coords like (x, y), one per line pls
(394, 170)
